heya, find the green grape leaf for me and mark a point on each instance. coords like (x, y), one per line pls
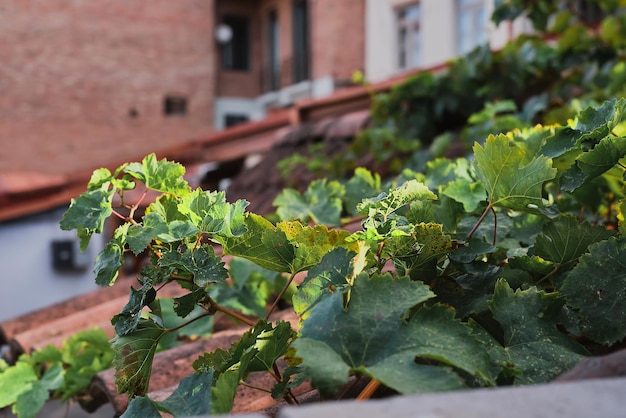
(411, 252)
(205, 266)
(329, 276)
(178, 231)
(597, 289)
(531, 339)
(100, 177)
(564, 140)
(255, 351)
(30, 402)
(134, 353)
(226, 219)
(271, 343)
(287, 247)
(141, 407)
(108, 263)
(371, 336)
(211, 213)
(249, 289)
(225, 388)
(168, 206)
(385, 204)
(162, 176)
(593, 163)
(321, 202)
(128, 319)
(186, 304)
(87, 214)
(362, 185)
(595, 123)
(470, 193)
(512, 179)
(564, 239)
(139, 236)
(192, 397)
(87, 353)
(14, 381)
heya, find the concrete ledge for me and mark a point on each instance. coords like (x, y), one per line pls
(588, 398)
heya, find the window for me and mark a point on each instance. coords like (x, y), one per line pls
(471, 25)
(236, 52)
(300, 41)
(174, 105)
(409, 36)
(232, 119)
(273, 50)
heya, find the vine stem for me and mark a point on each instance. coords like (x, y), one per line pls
(230, 312)
(189, 322)
(280, 295)
(368, 390)
(480, 221)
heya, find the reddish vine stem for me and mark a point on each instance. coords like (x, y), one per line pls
(495, 226)
(368, 390)
(231, 313)
(480, 221)
(280, 295)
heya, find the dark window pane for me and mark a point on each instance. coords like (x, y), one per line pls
(174, 105)
(234, 119)
(300, 41)
(236, 53)
(273, 51)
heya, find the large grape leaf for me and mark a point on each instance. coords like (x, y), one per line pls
(593, 163)
(202, 263)
(590, 148)
(321, 203)
(87, 214)
(512, 178)
(128, 319)
(385, 204)
(163, 176)
(564, 239)
(211, 213)
(597, 289)
(16, 380)
(108, 263)
(140, 235)
(595, 123)
(329, 276)
(469, 193)
(532, 341)
(257, 350)
(371, 336)
(287, 247)
(134, 353)
(412, 252)
(30, 402)
(362, 185)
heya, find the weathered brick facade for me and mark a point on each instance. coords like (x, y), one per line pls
(85, 81)
(104, 61)
(90, 77)
(337, 29)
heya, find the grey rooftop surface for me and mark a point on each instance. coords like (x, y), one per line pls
(593, 398)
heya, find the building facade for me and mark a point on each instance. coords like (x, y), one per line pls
(404, 35)
(272, 53)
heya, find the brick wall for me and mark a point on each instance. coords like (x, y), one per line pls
(338, 37)
(337, 31)
(105, 62)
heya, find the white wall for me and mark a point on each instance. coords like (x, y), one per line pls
(27, 278)
(438, 28)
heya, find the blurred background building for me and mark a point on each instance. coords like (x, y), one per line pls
(90, 83)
